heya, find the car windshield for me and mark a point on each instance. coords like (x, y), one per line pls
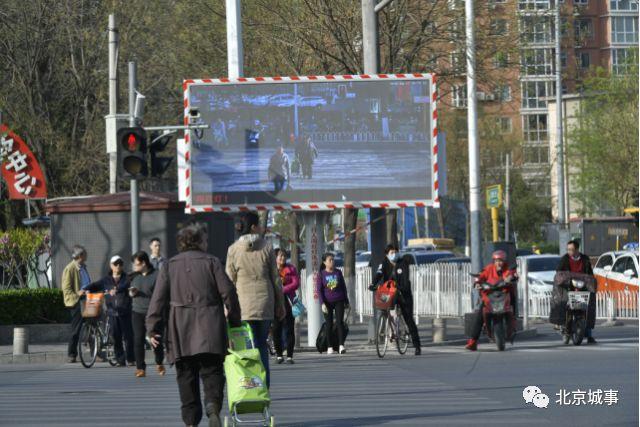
(363, 258)
(429, 258)
(543, 264)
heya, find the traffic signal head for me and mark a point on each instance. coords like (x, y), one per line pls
(159, 164)
(132, 152)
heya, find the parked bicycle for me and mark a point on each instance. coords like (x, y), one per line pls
(96, 339)
(390, 326)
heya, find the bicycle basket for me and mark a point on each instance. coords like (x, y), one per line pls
(385, 296)
(93, 305)
(578, 300)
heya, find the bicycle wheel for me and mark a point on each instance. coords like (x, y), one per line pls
(402, 334)
(88, 344)
(382, 334)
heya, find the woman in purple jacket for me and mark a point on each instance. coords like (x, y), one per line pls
(332, 292)
(290, 283)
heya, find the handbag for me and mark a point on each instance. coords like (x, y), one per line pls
(297, 307)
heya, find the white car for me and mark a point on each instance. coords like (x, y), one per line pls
(282, 100)
(622, 275)
(541, 270)
(605, 262)
(311, 101)
(363, 259)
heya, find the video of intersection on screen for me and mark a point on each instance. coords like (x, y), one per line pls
(345, 141)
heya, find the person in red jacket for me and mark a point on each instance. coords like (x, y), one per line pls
(492, 273)
(290, 283)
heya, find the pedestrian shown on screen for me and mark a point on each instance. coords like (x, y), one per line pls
(279, 170)
(332, 291)
(74, 277)
(291, 283)
(251, 265)
(155, 257)
(194, 290)
(142, 286)
(115, 285)
(308, 155)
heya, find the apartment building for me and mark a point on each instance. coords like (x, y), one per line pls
(594, 33)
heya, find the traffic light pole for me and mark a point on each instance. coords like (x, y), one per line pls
(135, 196)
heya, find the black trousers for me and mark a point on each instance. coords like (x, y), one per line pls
(406, 306)
(139, 339)
(278, 183)
(288, 323)
(190, 370)
(122, 330)
(75, 313)
(338, 309)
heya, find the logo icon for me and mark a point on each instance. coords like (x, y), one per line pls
(533, 394)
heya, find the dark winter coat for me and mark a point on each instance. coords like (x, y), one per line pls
(195, 288)
(560, 296)
(398, 272)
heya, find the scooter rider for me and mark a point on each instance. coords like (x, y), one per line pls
(494, 272)
(395, 268)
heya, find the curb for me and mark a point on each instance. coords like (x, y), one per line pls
(60, 357)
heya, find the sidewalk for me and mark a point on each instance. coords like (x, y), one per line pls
(56, 353)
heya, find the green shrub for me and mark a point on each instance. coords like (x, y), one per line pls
(27, 306)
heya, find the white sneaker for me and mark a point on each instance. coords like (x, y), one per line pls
(330, 350)
(342, 350)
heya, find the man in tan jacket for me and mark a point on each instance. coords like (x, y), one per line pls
(251, 266)
(74, 277)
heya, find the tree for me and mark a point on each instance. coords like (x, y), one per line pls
(603, 147)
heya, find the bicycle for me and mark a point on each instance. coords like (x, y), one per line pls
(391, 327)
(95, 338)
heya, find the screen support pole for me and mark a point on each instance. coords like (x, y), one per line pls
(314, 225)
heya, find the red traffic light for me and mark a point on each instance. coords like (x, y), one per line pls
(133, 144)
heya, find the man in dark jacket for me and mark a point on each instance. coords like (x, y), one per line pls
(279, 170)
(195, 288)
(116, 287)
(577, 262)
(395, 268)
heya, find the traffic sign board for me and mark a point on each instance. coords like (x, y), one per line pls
(494, 196)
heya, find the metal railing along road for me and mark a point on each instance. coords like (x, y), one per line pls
(444, 290)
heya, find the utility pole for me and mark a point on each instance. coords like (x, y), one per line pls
(113, 100)
(507, 198)
(371, 66)
(234, 39)
(474, 147)
(562, 222)
(135, 197)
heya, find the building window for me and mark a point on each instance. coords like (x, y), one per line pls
(459, 94)
(499, 27)
(536, 154)
(583, 30)
(565, 90)
(581, 2)
(457, 30)
(563, 59)
(533, 4)
(501, 60)
(624, 5)
(505, 125)
(537, 62)
(624, 29)
(503, 93)
(456, 4)
(533, 92)
(585, 60)
(534, 128)
(537, 29)
(621, 59)
(458, 62)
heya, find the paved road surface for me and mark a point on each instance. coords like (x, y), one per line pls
(445, 386)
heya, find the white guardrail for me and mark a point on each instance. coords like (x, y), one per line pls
(444, 290)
